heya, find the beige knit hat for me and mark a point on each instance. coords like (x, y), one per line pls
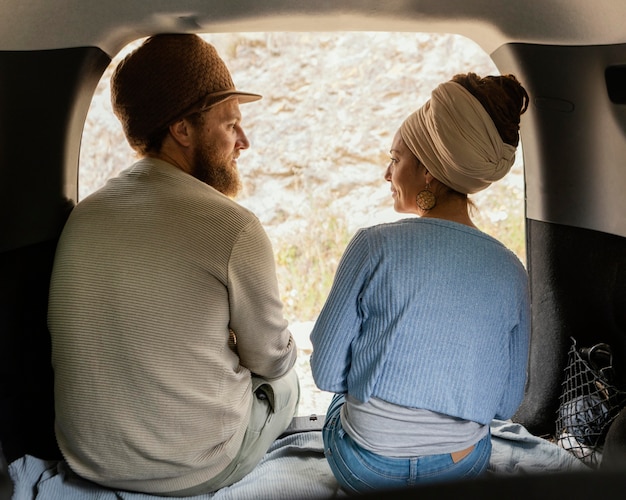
(166, 78)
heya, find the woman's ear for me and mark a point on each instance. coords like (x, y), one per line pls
(181, 132)
(428, 175)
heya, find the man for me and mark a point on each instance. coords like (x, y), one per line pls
(173, 361)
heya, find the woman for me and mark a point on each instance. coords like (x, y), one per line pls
(424, 335)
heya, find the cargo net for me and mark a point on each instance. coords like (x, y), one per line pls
(589, 402)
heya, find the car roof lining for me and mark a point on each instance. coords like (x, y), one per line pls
(490, 23)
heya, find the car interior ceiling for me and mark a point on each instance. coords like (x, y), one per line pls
(574, 145)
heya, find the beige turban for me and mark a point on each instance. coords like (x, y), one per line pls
(457, 141)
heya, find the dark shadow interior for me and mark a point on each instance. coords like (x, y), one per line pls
(38, 174)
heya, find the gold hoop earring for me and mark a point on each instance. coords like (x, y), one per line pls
(426, 199)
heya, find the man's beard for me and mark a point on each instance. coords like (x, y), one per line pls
(215, 170)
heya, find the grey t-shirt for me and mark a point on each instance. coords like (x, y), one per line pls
(397, 431)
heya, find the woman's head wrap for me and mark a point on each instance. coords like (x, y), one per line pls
(457, 141)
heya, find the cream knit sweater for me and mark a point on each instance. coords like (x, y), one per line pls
(150, 274)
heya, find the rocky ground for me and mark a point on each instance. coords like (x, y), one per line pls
(321, 134)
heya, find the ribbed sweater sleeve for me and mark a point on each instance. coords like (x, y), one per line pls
(264, 343)
(519, 339)
(339, 323)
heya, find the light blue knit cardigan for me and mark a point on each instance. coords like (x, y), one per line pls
(430, 314)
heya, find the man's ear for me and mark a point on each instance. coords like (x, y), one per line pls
(181, 132)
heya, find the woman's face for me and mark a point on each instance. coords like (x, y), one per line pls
(406, 175)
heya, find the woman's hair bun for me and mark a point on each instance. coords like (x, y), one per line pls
(503, 97)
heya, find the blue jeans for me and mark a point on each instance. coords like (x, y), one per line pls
(359, 470)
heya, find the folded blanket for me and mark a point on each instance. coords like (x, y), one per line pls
(515, 450)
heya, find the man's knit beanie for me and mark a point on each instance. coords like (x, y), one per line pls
(165, 79)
